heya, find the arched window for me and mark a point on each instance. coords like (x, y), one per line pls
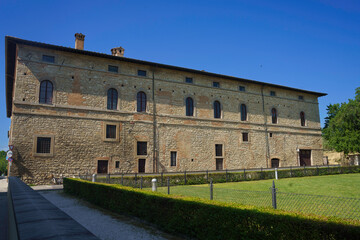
(243, 112)
(141, 102)
(189, 106)
(217, 109)
(302, 118)
(46, 92)
(112, 99)
(274, 115)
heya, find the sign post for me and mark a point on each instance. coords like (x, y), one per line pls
(10, 159)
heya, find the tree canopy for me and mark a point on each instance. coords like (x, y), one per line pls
(3, 162)
(342, 125)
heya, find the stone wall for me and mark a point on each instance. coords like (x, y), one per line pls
(77, 116)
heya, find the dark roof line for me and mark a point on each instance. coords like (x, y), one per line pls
(96, 54)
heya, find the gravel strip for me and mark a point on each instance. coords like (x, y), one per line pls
(102, 223)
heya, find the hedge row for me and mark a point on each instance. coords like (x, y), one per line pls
(205, 219)
(221, 177)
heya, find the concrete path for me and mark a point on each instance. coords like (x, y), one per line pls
(3, 209)
(102, 223)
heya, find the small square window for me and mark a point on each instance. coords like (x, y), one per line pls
(272, 93)
(43, 145)
(142, 73)
(111, 131)
(49, 59)
(141, 148)
(245, 137)
(218, 150)
(241, 88)
(173, 159)
(270, 134)
(216, 84)
(117, 164)
(188, 80)
(301, 97)
(113, 69)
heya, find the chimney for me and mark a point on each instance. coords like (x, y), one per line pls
(79, 41)
(119, 51)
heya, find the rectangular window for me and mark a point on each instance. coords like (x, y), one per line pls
(301, 97)
(117, 164)
(216, 84)
(141, 148)
(272, 93)
(241, 88)
(49, 59)
(111, 131)
(245, 137)
(113, 69)
(188, 80)
(270, 134)
(43, 145)
(173, 159)
(142, 73)
(219, 163)
(218, 150)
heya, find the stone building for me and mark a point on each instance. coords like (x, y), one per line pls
(75, 111)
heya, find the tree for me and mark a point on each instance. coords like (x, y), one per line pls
(3, 162)
(342, 125)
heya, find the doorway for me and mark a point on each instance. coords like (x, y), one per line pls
(275, 162)
(305, 157)
(102, 166)
(219, 164)
(142, 165)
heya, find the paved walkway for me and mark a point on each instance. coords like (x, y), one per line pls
(104, 224)
(3, 208)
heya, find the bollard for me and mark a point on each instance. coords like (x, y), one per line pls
(211, 189)
(168, 184)
(276, 175)
(154, 187)
(94, 177)
(273, 194)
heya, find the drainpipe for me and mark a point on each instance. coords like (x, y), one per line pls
(155, 169)
(266, 128)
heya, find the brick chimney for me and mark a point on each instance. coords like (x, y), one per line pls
(79, 41)
(119, 51)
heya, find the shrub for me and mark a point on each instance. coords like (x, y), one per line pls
(205, 219)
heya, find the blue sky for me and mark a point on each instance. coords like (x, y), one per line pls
(308, 44)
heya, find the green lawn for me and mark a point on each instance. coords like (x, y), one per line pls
(290, 194)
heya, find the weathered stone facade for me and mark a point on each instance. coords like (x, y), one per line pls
(77, 118)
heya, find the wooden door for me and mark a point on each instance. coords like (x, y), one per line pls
(102, 166)
(305, 157)
(142, 165)
(275, 163)
(219, 164)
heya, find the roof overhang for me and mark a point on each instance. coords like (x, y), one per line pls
(10, 60)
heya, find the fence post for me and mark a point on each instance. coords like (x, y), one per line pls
(290, 171)
(340, 170)
(185, 177)
(276, 175)
(317, 170)
(273, 194)
(304, 171)
(207, 175)
(211, 189)
(168, 184)
(94, 177)
(328, 168)
(108, 178)
(122, 178)
(154, 187)
(226, 175)
(162, 178)
(261, 174)
(141, 182)
(135, 177)
(244, 175)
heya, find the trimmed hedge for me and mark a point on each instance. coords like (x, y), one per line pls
(221, 177)
(205, 219)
